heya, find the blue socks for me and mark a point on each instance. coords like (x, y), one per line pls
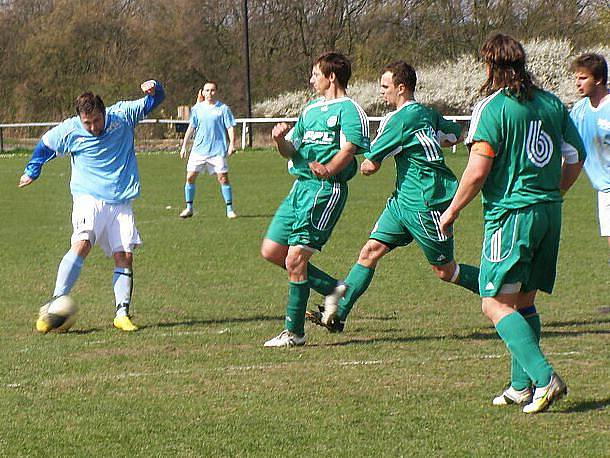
(189, 195)
(122, 283)
(67, 273)
(227, 195)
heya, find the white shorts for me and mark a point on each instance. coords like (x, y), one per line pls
(111, 226)
(603, 207)
(210, 164)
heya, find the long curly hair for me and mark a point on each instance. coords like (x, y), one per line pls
(505, 60)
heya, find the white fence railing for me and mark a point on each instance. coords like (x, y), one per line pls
(244, 122)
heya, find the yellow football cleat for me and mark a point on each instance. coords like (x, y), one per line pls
(124, 323)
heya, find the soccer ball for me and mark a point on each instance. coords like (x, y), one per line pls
(57, 315)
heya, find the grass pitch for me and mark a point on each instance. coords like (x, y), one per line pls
(413, 375)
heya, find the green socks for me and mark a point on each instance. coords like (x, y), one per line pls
(357, 281)
(320, 281)
(469, 278)
(523, 345)
(519, 378)
(298, 293)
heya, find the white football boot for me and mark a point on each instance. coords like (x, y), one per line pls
(331, 302)
(286, 339)
(512, 396)
(546, 395)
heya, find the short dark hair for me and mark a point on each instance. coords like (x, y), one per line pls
(402, 73)
(505, 58)
(594, 64)
(337, 63)
(88, 102)
(210, 82)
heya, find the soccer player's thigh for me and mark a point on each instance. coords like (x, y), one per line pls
(87, 219)
(507, 253)
(218, 164)
(121, 233)
(544, 235)
(424, 226)
(280, 228)
(390, 230)
(318, 206)
(197, 164)
(603, 208)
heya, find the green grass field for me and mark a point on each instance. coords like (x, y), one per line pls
(413, 375)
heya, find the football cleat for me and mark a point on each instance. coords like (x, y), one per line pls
(231, 214)
(186, 213)
(333, 324)
(331, 302)
(513, 396)
(546, 395)
(286, 339)
(124, 323)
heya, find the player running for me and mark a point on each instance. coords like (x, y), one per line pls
(424, 188)
(524, 153)
(105, 181)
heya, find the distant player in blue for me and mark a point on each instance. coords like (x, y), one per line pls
(592, 118)
(105, 180)
(213, 124)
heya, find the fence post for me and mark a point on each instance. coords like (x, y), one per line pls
(1, 142)
(244, 126)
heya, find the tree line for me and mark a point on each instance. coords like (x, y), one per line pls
(52, 50)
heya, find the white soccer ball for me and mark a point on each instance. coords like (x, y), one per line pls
(57, 315)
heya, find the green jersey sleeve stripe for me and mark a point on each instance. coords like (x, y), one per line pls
(476, 116)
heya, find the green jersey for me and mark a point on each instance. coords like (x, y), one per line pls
(529, 138)
(411, 135)
(320, 132)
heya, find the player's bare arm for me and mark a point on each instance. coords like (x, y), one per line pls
(369, 167)
(336, 164)
(473, 179)
(278, 134)
(231, 135)
(569, 174)
(189, 132)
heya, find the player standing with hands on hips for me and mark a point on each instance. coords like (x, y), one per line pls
(105, 180)
(213, 124)
(525, 153)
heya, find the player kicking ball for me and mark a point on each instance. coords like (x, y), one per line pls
(424, 187)
(105, 180)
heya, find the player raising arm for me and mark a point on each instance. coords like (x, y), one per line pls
(105, 180)
(524, 153)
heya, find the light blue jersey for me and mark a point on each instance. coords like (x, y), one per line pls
(103, 166)
(593, 124)
(211, 123)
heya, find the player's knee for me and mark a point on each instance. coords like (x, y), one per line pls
(223, 178)
(442, 273)
(371, 252)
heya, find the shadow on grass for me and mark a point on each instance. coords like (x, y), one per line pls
(489, 334)
(586, 406)
(560, 324)
(212, 321)
(241, 215)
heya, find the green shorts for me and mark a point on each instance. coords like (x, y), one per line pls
(521, 247)
(399, 227)
(308, 215)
